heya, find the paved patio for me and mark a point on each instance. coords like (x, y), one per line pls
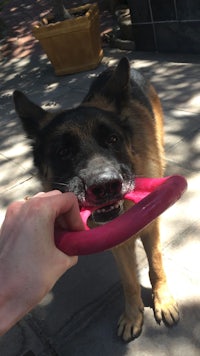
(79, 316)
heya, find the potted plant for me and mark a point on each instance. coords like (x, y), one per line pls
(71, 38)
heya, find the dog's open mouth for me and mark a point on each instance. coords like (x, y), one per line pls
(108, 212)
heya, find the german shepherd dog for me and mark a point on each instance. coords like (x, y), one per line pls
(96, 150)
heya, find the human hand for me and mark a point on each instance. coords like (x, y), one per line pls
(30, 263)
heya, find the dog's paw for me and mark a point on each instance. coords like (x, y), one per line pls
(130, 328)
(165, 308)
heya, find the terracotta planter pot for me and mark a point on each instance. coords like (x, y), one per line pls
(73, 45)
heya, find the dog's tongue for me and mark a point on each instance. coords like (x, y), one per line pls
(85, 213)
(152, 196)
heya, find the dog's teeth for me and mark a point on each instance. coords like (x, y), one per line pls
(109, 208)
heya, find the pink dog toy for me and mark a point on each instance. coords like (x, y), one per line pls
(152, 197)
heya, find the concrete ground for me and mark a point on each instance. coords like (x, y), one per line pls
(79, 316)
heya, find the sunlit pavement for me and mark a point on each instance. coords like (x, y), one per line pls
(79, 316)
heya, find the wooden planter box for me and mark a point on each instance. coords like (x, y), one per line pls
(73, 45)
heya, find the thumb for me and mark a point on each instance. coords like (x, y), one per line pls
(66, 212)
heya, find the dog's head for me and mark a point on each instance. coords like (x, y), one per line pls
(86, 150)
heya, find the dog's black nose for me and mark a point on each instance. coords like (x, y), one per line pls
(104, 191)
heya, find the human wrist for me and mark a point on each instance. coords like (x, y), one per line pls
(8, 307)
(16, 298)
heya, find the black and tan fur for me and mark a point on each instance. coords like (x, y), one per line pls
(96, 150)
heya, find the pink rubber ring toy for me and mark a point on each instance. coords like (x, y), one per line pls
(152, 197)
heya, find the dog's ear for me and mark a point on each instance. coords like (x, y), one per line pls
(32, 116)
(120, 79)
(112, 84)
(117, 88)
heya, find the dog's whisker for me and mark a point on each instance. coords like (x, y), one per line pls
(58, 183)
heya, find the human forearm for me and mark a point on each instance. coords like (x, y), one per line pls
(30, 263)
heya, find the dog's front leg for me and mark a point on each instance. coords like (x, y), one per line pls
(130, 322)
(165, 307)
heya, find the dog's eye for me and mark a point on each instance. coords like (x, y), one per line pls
(63, 152)
(112, 140)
